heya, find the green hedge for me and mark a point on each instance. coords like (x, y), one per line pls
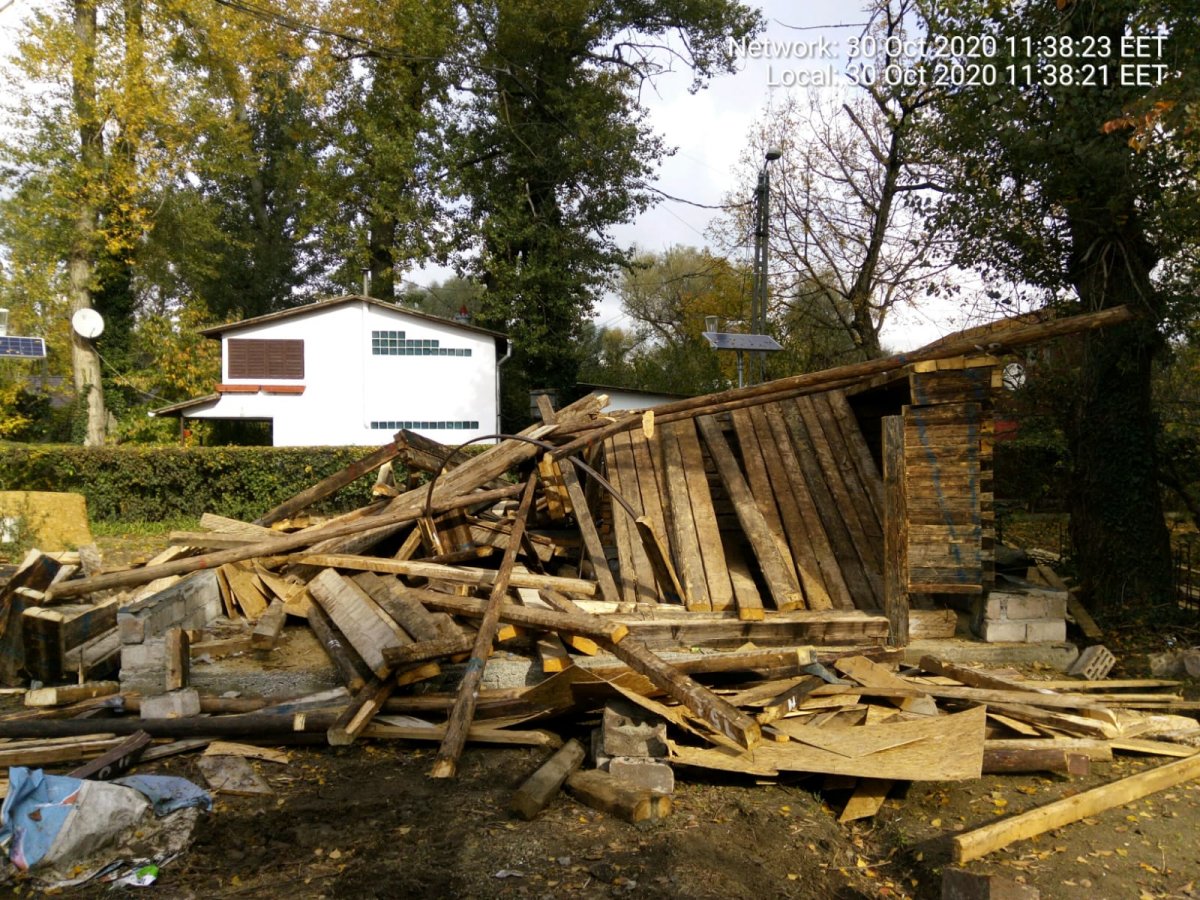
(154, 483)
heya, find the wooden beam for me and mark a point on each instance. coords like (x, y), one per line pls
(332, 483)
(454, 574)
(357, 617)
(590, 626)
(982, 841)
(179, 658)
(602, 791)
(350, 666)
(446, 763)
(270, 624)
(895, 531)
(541, 787)
(359, 713)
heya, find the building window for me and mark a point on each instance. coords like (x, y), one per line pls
(414, 425)
(393, 343)
(260, 358)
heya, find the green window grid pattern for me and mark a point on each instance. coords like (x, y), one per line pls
(415, 425)
(393, 343)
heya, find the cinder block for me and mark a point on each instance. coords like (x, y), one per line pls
(131, 629)
(996, 631)
(630, 730)
(643, 774)
(1094, 663)
(1025, 606)
(959, 884)
(175, 705)
(147, 655)
(1045, 631)
(994, 607)
(599, 757)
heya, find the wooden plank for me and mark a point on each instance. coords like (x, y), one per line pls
(855, 444)
(623, 529)
(266, 633)
(424, 651)
(356, 617)
(896, 538)
(247, 751)
(61, 696)
(1034, 759)
(179, 657)
(685, 536)
(360, 711)
(784, 589)
(594, 627)
(405, 610)
(873, 675)
(982, 841)
(541, 787)
(866, 800)
(552, 653)
(860, 516)
(712, 552)
(117, 761)
(592, 544)
(446, 763)
(760, 485)
(810, 544)
(745, 591)
(50, 634)
(651, 480)
(455, 574)
(645, 585)
(246, 589)
(1094, 749)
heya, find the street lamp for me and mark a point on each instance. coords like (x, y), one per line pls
(758, 298)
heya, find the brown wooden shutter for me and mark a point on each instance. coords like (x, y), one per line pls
(258, 358)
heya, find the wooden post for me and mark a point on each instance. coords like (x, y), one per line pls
(446, 763)
(895, 531)
(179, 655)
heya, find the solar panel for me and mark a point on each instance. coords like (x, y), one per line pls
(724, 340)
(22, 347)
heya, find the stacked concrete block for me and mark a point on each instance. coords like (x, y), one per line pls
(1020, 612)
(631, 745)
(193, 602)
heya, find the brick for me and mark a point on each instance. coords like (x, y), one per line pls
(643, 774)
(175, 705)
(1045, 631)
(959, 884)
(1001, 632)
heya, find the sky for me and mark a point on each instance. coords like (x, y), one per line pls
(709, 131)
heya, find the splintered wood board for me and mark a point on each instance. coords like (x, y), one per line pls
(232, 775)
(950, 748)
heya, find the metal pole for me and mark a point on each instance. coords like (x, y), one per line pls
(739, 364)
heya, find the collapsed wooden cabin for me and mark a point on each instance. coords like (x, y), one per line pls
(758, 534)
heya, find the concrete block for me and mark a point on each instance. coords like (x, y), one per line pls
(599, 757)
(959, 884)
(148, 655)
(175, 705)
(1094, 663)
(630, 730)
(1045, 631)
(643, 774)
(994, 606)
(131, 629)
(996, 631)
(1024, 606)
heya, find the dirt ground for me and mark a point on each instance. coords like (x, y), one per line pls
(367, 822)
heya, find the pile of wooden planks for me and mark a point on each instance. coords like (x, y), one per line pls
(716, 561)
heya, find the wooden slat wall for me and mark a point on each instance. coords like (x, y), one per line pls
(948, 450)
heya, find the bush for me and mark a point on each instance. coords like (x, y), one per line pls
(149, 483)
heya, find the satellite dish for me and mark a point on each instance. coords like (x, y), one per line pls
(87, 323)
(1014, 376)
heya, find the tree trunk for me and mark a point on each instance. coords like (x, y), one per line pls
(1118, 531)
(81, 266)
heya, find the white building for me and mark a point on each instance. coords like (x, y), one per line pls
(353, 370)
(625, 399)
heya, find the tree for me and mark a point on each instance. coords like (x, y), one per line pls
(1045, 195)
(554, 148)
(848, 242)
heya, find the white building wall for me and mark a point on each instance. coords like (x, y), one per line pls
(347, 388)
(619, 400)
